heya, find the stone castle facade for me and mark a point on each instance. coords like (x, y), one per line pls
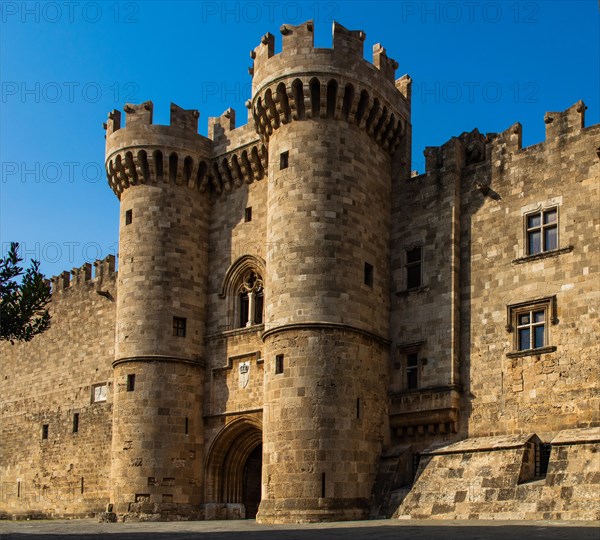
(300, 329)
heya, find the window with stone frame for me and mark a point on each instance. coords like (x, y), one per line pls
(414, 267)
(179, 326)
(250, 300)
(530, 322)
(541, 231)
(243, 289)
(409, 363)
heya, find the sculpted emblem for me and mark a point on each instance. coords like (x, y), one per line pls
(244, 374)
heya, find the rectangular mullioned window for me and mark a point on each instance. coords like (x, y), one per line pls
(409, 362)
(530, 324)
(531, 329)
(179, 326)
(541, 231)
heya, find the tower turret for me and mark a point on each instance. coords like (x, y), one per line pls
(159, 174)
(336, 128)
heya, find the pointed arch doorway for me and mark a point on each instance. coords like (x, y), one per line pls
(234, 465)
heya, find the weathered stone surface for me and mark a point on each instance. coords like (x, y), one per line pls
(303, 329)
(495, 490)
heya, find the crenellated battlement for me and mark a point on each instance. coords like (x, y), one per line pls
(565, 123)
(103, 271)
(347, 51)
(374, 321)
(383, 63)
(497, 148)
(143, 152)
(303, 82)
(142, 115)
(147, 153)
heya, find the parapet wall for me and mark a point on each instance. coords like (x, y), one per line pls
(51, 381)
(497, 149)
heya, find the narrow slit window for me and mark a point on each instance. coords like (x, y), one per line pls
(179, 326)
(358, 408)
(76, 423)
(368, 274)
(187, 425)
(323, 485)
(45, 429)
(248, 214)
(279, 364)
(284, 160)
(82, 484)
(128, 217)
(131, 382)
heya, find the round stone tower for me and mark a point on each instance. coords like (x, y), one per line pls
(158, 173)
(337, 129)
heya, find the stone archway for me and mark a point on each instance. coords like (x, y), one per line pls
(233, 465)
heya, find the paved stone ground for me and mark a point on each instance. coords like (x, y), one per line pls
(89, 529)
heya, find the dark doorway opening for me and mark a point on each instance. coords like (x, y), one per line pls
(252, 482)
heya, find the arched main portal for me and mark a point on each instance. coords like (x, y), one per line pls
(233, 468)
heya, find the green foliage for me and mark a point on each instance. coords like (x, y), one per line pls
(23, 312)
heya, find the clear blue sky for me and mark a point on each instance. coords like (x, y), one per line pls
(65, 65)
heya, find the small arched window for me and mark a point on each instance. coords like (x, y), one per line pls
(250, 300)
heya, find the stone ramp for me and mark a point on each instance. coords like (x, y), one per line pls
(495, 478)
